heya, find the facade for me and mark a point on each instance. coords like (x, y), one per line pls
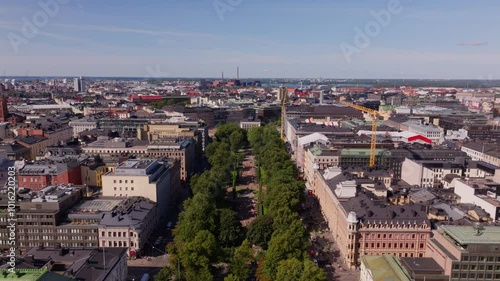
(79, 84)
(81, 125)
(429, 173)
(435, 134)
(488, 153)
(363, 224)
(129, 225)
(481, 193)
(249, 124)
(147, 178)
(41, 220)
(39, 175)
(183, 150)
(319, 157)
(4, 111)
(467, 252)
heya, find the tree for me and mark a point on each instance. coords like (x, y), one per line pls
(230, 228)
(261, 230)
(237, 140)
(290, 269)
(165, 274)
(225, 130)
(285, 244)
(196, 256)
(199, 214)
(240, 263)
(312, 272)
(232, 277)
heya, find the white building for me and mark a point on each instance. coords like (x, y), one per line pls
(429, 173)
(482, 193)
(430, 131)
(81, 125)
(130, 225)
(488, 153)
(147, 178)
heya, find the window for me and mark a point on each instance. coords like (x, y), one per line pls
(126, 181)
(115, 187)
(114, 181)
(132, 188)
(131, 181)
(120, 181)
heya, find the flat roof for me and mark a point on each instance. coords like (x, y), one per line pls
(385, 268)
(418, 265)
(466, 235)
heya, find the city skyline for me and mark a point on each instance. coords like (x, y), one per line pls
(420, 40)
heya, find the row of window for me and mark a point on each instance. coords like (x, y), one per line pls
(475, 267)
(126, 188)
(118, 234)
(480, 259)
(395, 236)
(394, 245)
(479, 276)
(117, 244)
(120, 181)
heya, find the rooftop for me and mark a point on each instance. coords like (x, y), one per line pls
(32, 275)
(385, 268)
(466, 235)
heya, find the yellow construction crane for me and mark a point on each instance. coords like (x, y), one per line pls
(375, 114)
(283, 92)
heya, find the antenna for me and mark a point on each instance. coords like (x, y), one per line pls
(238, 73)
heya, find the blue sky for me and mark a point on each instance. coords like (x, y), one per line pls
(266, 38)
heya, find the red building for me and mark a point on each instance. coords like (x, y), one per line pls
(38, 176)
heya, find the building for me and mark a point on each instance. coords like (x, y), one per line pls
(42, 220)
(466, 252)
(249, 124)
(93, 264)
(429, 173)
(147, 178)
(31, 274)
(482, 193)
(488, 153)
(319, 157)
(4, 111)
(435, 134)
(38, 175)
(382, 268)
(129, 225)
(364, 224)
(79, 85)
(183, 150)
(84, 124)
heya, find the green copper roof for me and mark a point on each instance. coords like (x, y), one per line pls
(32, 275)
(467, 235)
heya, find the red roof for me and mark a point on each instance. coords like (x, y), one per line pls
(420, 137)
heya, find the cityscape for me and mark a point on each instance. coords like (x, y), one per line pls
(238, 163)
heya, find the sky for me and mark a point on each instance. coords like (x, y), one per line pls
(376, 39)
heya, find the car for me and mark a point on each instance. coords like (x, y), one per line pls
(169, 225)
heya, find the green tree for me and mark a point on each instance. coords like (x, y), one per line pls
(199, 214)
(165, 274)
(312, 272)
(231, 277)
(196, 256)
(240, 263)
(237, 140)
(261, 230)
(225, 130)
(290, 269)
(285, 244)
(231, 231)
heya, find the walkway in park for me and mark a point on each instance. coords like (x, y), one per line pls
(246, 202)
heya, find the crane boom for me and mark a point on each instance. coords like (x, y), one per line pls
(283, 93)
(375, 114)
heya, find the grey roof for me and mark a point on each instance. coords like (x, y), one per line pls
(451, 212)
(133, 216)
(422, 196)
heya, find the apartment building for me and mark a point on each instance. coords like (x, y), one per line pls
(38, 175)
(319, 157)
(488, 153)
(429, 173)
(129, 225)
(363, 224)
(480, 192)
(183, 150)
(147, 178)
(434, 133)
(466, 252)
